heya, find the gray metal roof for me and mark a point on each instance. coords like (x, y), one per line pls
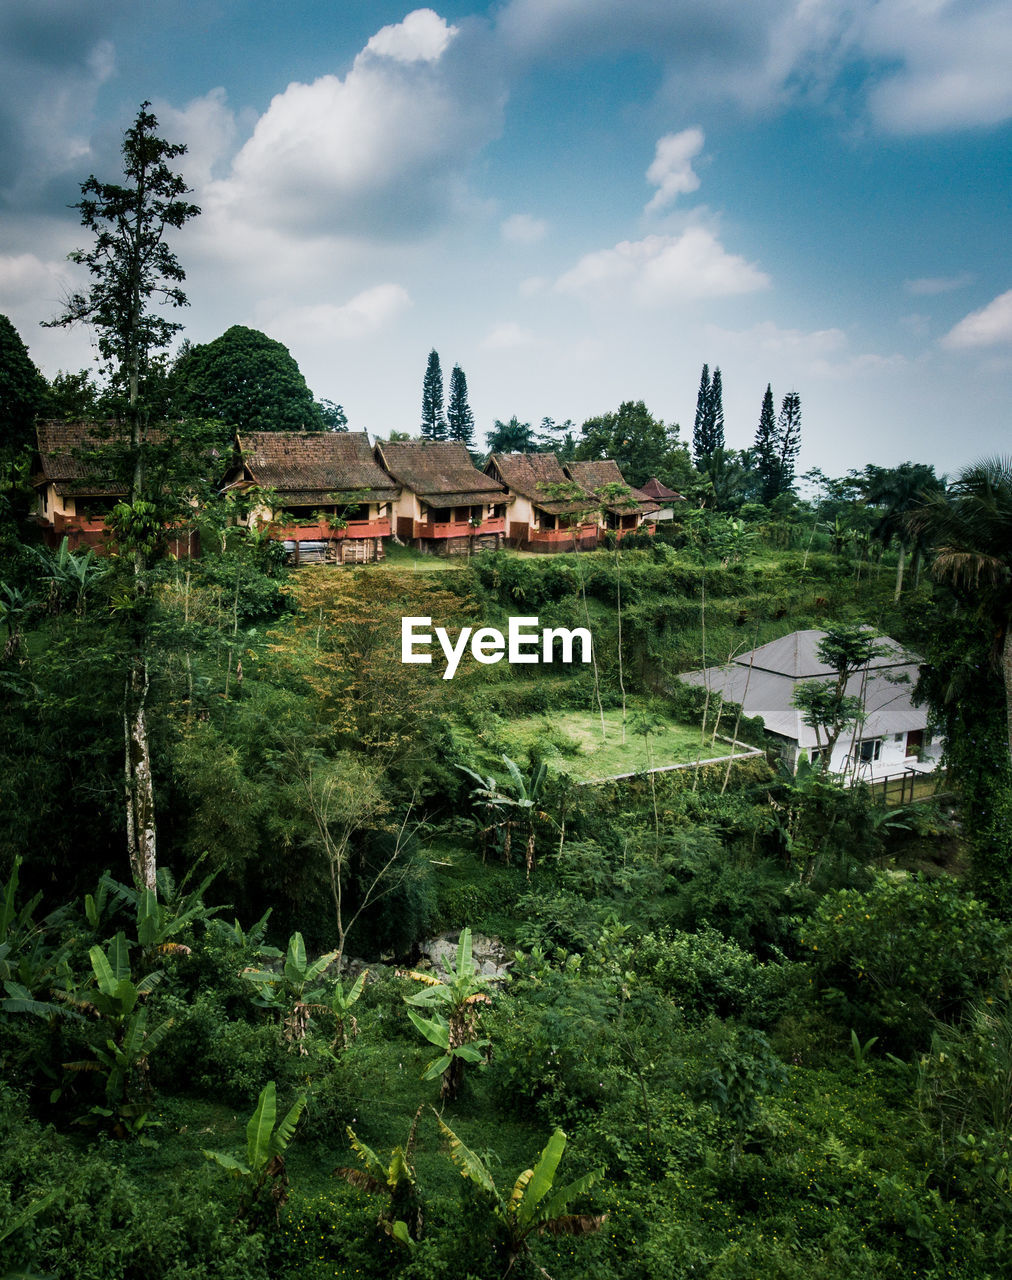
(764, 679)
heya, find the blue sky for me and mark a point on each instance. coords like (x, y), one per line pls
(580, 201)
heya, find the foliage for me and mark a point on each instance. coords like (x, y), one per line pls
(267, 1140)
(433, 417)
(461, 995)
(535, 1204)
(401, 1218)
(904, 952)
(459, 418)
(639, 443)
(245, 380)
(22, 394)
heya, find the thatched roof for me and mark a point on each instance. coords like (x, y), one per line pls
(79, 458)
(529, 474)
(441, 474)
(306, 467)
(660, 492)
(593, 476)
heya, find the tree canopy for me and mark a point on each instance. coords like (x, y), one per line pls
(22, 391)
(641, 445)
(246, 380)
(433, 418)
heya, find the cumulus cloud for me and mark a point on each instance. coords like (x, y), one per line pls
(208, 128)
(365, 314)
(664, 268)
(522, 228)
(991, 326)
(671, 171)
(422, 37)
(381, 151)
(929, 286)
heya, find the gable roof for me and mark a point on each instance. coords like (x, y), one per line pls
(306, 467)
(440, 473)
(529, 473)
(78, 458)
(592, 476)
(764, 679)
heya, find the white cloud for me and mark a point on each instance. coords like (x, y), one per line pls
(671, 171)
(522, 228)
(380, 152)
(422, 37)
(988, 327)
(365, 314)
(506, 336)
(953, 63)
(929, 286)
(664, 268)
(926, 64)
(207, 126)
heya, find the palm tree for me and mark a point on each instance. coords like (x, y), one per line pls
(971, 530)
(897, 491)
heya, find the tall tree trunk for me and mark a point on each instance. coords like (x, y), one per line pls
(139, 788)
(899, 573)
(1006, 671)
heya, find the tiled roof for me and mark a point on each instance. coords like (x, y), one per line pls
(303, 467)
(529, 473)
(70, 457)
(440, 473)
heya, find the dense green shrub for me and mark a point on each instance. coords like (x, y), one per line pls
(709, 975)
(903, 953)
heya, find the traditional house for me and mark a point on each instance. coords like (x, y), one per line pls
(80, 471)
(535, 521)
(621, 514)
(321, 493)
(892, 739)
(663, 496)
(446, 505)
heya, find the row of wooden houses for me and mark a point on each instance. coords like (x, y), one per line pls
(334, 497)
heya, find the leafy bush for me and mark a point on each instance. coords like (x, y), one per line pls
(706, 974)
(903, 953)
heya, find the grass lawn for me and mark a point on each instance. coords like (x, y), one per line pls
(576, 746)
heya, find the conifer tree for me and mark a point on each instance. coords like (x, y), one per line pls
(766, 456)
(460, 419)
(433, 418)
(788, 439)
(700, 426)
(715, 419)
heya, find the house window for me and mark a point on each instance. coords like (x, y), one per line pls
(871, 750)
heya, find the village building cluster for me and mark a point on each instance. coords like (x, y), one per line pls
(332, 497)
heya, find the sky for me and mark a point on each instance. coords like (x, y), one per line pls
(578, 201)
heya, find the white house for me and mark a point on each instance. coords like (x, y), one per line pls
(892, 739)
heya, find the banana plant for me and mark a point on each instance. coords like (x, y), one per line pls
(29, 966)
(340, 1004)
(116, 998)
(456, 1034)
(290, 991)
(535, 1204)
(401, 1218)
(267, 1140)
